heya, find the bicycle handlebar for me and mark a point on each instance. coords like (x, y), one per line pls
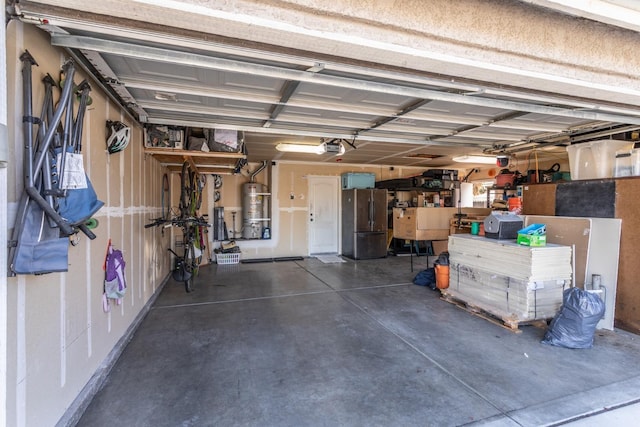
(181, 222)
(156, 222)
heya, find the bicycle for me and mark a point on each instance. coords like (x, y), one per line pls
(191, 186)
(186, 267)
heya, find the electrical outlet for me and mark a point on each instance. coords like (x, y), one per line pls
(292, 196)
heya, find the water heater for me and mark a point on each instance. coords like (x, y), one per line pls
(254, 205)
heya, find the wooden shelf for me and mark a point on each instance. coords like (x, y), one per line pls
(205, 162)
(463, 225)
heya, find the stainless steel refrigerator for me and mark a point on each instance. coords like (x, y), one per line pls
(364, 223)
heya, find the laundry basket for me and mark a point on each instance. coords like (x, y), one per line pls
(230, 258)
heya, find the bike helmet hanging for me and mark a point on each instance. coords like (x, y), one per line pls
(118, 137)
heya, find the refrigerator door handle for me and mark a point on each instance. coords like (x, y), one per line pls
(372, 217)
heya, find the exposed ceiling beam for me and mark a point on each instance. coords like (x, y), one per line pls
(288, 89)
(413, 106)
(496, 119)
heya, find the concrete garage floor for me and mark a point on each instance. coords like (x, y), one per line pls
(304, 343)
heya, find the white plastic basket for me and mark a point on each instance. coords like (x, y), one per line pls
(232, 258)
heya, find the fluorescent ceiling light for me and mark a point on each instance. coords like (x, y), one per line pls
(301, 148)
(337, 149)
(165, 96)
(475, 159)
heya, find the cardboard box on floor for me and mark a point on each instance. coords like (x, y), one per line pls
(439, 246)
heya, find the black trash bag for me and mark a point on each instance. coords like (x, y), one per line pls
(426, 278)
(575, 325)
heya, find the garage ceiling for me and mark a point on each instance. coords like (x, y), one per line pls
(385, 115)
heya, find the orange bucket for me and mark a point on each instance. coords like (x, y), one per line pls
(442, 276)
(515, 205)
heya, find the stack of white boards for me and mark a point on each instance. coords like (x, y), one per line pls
(512, 282)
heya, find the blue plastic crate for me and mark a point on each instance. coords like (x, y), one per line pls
(358, 180)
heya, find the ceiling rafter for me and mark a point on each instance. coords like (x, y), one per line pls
(495, 119)
(288, 89)
(384, 120)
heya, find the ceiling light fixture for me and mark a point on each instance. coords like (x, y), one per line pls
(330, 147)
(165, 96)
(300, 148)
(475, 159)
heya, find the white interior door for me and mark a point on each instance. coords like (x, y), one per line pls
(324, 214)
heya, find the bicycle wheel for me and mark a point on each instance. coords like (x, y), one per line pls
(199, 245)
(185, 189)
(166, 197)
(189, 257)
(198, 182)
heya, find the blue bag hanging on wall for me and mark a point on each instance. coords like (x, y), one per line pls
(81, 201)
(79, 204)
(40, 248)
